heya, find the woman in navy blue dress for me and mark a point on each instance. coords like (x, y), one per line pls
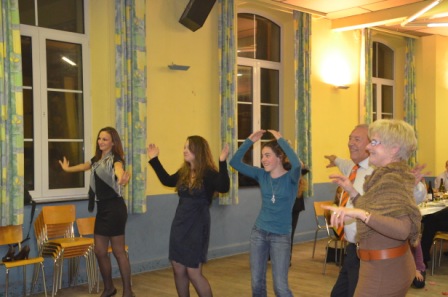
(196, 182)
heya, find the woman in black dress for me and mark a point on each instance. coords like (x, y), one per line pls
(106, 181)
(196, 181)
(299, 204)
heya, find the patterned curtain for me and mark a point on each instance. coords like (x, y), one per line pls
(410, 106)
(302, 68)
(11, 126)
(227, 89)
(130, 85)
(368, 54)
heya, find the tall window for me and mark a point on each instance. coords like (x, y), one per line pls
(383, 81)
(259, 76)
(54, 53)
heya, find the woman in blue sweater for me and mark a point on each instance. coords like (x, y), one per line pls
(271, 234)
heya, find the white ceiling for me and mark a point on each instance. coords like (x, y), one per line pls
(386, 14)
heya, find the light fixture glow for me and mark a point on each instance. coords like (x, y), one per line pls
(68, 61)
(432, 25)
(419, 13)
(439, 15)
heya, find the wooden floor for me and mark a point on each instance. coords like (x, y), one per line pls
(230, 277)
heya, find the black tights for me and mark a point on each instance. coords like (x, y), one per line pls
(184, 275)
(118, 249)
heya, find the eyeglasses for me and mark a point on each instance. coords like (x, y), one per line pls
(375, 142)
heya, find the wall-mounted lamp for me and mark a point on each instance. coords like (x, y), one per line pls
(178, 67)
(342, 87)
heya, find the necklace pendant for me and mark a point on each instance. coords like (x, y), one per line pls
(273, 198)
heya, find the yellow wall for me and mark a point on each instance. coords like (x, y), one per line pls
(183, 103)
(432, 100)
(334, 111)
(180, 103)
(102, 56)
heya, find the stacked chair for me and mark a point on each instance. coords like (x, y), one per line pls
(86, 228)
(12, 235)
(54, 230)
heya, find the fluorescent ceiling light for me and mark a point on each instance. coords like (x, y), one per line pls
(431, 25)
(439, 15)
(419, 13)
(437, 25)
(68, 61)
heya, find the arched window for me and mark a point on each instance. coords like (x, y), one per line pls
(383, 81)
(259, 76)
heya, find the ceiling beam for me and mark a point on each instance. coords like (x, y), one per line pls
(377, 18)
(280, 6)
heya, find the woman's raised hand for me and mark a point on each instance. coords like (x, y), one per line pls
(224, 152)
(65, 164)
(254, 137)
(152, 150)
(276, 134)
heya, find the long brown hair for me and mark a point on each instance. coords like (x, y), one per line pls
(203, 161)
(303, 185)
(117, 148)
(278, 151)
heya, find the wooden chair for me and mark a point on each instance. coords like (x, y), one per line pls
(86, 227)
(323, 225)
(55, 238)
(13, 235)
(438, 241)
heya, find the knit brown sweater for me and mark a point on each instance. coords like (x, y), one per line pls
(388, 191)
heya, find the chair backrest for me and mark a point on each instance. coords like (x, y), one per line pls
(319, 211)
(85, 226)
(58, 221)
(59, 214)
(11, 234)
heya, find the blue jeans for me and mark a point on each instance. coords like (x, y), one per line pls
(278, 246)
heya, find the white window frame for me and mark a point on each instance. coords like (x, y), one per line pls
(41, 192)
(256, 103)
(379, 82)
(257, 65)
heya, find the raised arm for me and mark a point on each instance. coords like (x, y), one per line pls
(237, 159)
(164, 177)
(65, 165)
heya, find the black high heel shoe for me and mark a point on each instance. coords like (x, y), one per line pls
(9, 255)
(113, 293)
(23, 254)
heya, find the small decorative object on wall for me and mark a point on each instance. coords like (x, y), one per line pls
(178, 67)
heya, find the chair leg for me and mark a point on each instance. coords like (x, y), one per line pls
(24, 280)
(315, 239)
(326, 255)
(43, 278)
(6, 282)
(434, 252)
(440, 251)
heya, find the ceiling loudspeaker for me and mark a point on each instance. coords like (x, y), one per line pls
(196, 13)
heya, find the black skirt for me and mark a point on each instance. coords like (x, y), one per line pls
(111, 217)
